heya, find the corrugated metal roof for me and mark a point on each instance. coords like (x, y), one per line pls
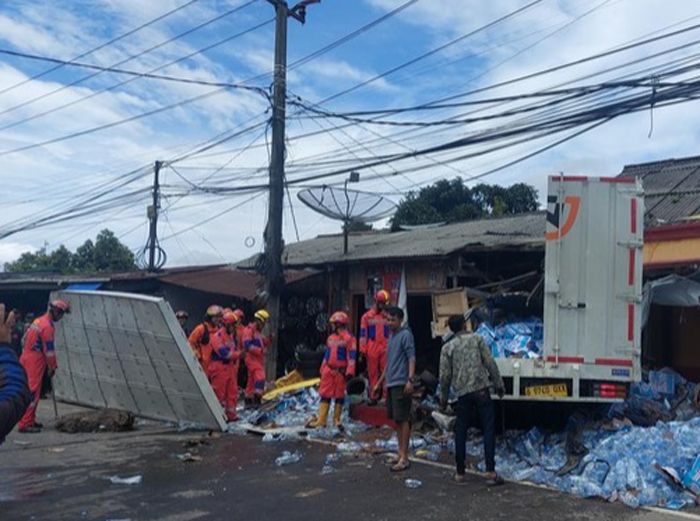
(671, 188)
(525, 230)
(228, 281)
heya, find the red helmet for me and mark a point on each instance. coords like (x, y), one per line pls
(214, 311)
(339, 317)
(240, 315)
(229, 318)
(60, 305)
(382, 296)
(227, 310)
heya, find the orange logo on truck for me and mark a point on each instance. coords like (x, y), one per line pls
(554, 217)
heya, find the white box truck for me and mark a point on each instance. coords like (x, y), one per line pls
(592, 295)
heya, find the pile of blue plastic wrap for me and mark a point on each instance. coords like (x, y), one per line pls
(514, 339)
(623, 462)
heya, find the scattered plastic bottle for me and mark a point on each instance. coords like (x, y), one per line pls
(333, 458)
(327, 469)
(413, 483)
(287, 458)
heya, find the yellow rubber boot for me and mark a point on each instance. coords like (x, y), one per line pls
(337, 415)
(322, 418)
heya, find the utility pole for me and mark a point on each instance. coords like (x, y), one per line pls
(153, 218)
(274, 272)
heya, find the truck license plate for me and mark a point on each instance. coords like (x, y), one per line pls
(557, 390)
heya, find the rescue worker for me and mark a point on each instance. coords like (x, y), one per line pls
(338, 364)
(254, 347)
(374, 335)
(39, 357)
(201, 335)
(182, 317)
(240, 325)
(223, 368)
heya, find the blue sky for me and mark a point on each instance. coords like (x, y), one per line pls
(54, 177)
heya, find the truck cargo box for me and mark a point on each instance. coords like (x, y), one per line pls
(593, 293)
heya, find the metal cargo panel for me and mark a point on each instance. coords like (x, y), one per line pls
(593, 275)
(128, 351)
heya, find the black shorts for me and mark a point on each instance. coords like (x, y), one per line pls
(398, 404)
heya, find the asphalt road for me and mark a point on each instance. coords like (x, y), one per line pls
(60, 476)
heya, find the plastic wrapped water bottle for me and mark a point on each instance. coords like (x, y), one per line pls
(287, 458)
(413, 483)
(629, 499)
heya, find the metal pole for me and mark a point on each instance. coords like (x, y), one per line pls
(153, 216)
(273, 231)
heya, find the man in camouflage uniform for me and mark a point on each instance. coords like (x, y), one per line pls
(466, 365)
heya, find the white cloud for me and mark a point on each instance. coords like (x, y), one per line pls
(10, 251)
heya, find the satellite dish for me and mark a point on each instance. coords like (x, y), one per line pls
(347, 206)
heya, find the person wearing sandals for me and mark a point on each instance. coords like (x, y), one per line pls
(466, 365)
(398, 374)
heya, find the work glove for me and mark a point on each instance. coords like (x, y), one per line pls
(500, 392)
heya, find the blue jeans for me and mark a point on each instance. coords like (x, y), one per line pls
(466, 407)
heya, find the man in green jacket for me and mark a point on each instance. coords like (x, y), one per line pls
(466, 365)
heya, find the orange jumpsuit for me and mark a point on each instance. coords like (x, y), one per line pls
(338, 364)
(200, 340)
(254, 347)
(374, 338)
(223, 370)
(37, 354)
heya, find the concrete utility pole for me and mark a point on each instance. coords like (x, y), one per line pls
(153, 217)
(274, 276)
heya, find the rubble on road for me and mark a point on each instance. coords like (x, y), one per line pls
(103, 420)
(658, 426)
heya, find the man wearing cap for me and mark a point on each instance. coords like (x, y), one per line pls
(201, 335)
(254, 347)
(39, 357)
(466, 365)
(374, 335)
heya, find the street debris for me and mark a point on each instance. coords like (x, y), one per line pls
(103, 420)
(413, 483)
(188, 457)
(133, 480)
(615, 456)
(287, 458)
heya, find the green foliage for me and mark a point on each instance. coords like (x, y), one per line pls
(106, 254)
(358, 226)
(453, 201)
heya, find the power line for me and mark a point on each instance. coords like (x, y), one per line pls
(430, 53)
(191, 81)
(121, 62)
(122, 83)
(101, 46)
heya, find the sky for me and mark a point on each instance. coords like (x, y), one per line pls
(198, 226)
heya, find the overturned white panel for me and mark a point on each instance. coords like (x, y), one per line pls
(128, 351)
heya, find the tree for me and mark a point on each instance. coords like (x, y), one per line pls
(453, 201)
(106, 254)
(359, 226)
